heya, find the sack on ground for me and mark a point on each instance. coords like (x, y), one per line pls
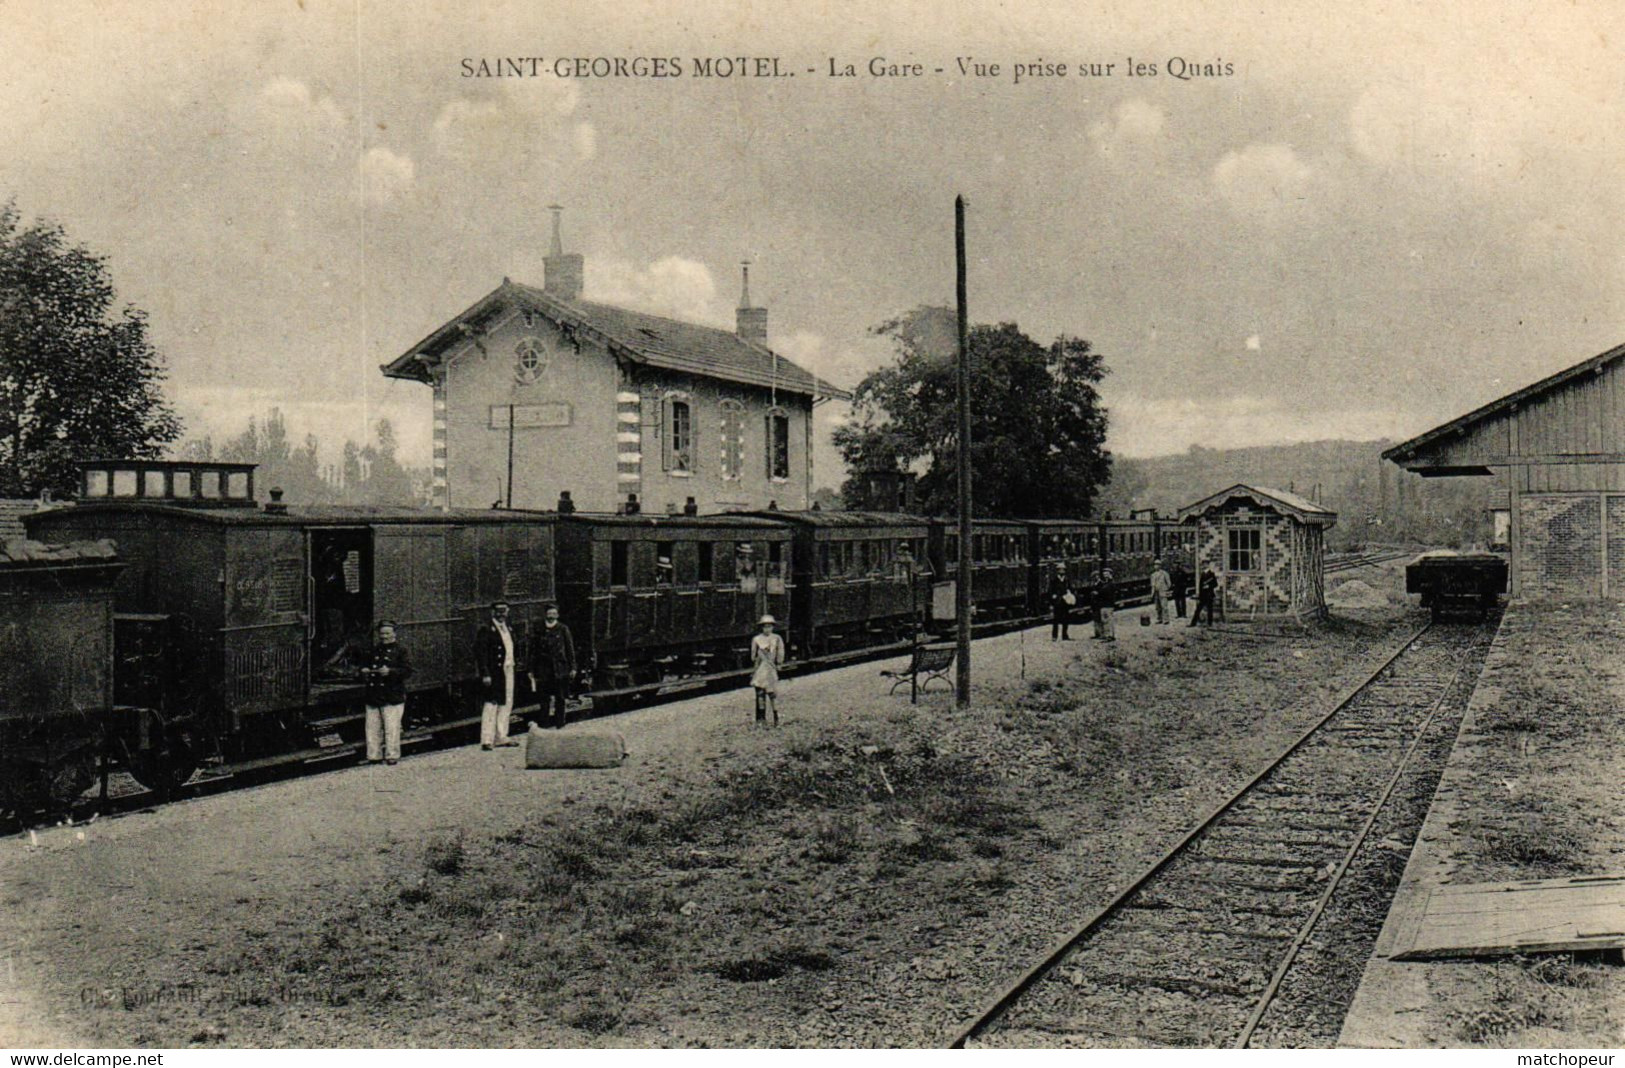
(573, 749)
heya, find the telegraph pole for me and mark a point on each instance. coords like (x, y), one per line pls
(962, 588)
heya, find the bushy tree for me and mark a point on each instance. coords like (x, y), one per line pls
(1038, 429)
(78, 379)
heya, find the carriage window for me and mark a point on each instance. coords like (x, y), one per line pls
(515, 573)
(182, 482)
(617, 563)
(209, 484)
(152, 484)
(237, 484)
(707, 561)
(745, 563)
(823, 559)
(664, 572)
(124, 483)
(287, 585)
(96, 483)
(1246, 549)
(880, 559)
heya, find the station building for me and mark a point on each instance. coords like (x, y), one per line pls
(538, 392)
(1557, 449)
(1267, 547)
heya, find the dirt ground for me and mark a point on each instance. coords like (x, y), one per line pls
(1534, 792)
(868, 874)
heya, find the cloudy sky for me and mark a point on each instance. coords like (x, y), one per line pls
(1385, 214)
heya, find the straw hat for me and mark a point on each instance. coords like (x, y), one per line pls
(766, 619)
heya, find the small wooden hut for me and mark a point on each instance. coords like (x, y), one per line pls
(1267, 548)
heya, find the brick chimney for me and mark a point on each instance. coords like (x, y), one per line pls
(561, 274)
(750, 323)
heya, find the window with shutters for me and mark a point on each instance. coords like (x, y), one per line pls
(778, 444)
(733, 439)
(679, 451)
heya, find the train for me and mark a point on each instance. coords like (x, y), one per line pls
(230, 623)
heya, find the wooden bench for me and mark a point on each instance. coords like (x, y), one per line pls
(928, 662)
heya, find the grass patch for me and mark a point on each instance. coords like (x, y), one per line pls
(445, 855)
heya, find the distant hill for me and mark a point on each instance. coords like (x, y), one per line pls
(1375, 500)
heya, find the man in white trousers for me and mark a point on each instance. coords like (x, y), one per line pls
(493, 653)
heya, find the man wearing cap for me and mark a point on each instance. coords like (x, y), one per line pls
(552, 665)
(1061, 600)
(1162, 590)
(766, 653)
(493, 658)
(386, 671)
(1101, 601)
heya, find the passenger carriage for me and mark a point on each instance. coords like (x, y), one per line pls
(1000, 568)
(861, 578)
(650, 597)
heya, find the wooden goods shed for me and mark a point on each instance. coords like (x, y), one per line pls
(1558, 449)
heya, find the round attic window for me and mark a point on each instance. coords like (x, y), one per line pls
(530, 360)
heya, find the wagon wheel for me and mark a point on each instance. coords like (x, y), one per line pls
(167, 760)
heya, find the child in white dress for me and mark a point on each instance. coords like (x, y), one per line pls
(766, 654)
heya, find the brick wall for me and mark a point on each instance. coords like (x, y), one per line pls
(1560, 553)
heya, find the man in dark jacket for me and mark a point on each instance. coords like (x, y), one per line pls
(1181, 582)
(387, 668)
(552, 665)
(1061, 600)
(493, 662)
(1207, 591)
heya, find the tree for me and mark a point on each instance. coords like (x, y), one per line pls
(77, 379)
(1038, 430)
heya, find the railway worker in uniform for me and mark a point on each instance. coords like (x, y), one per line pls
(552, 665)
(387, 668)
(766, 654)
(1207, 591)
(1061, 600)
(1162, 590)
(1101, 601)
(493, 655)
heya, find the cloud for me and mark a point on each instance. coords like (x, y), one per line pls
(293, 111)
(527, 116)
(1135, 127)
(673, 286)
(385, 176)
(1263, 181)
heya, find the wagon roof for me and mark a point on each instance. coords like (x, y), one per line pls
(836, 518)
(309, 515)
(1300, 508)
(655, 521)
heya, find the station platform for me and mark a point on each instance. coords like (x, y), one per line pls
(1514, 754)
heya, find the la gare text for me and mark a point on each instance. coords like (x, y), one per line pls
(1037, 68)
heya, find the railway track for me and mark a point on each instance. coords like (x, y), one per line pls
(1193, 953)
(1371, 559)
